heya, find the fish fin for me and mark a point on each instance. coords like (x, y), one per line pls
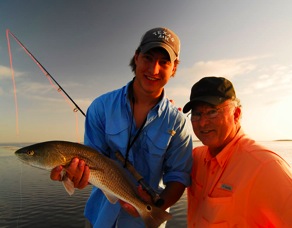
(112, 198)
(68, 184)
(153, 216)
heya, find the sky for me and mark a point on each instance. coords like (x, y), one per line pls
(87, 46)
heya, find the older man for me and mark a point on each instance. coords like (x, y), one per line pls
(235, 181)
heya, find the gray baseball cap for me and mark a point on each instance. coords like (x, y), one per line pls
(161, 37)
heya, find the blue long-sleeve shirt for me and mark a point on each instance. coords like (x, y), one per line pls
(161, 151)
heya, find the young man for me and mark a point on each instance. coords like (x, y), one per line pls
(235, 181)
(140, 122)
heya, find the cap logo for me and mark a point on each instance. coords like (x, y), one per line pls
(163, 38)
(164, 35)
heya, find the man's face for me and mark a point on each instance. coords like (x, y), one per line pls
(153, 70)
(215, 126)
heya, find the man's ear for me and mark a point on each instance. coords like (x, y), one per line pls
(136, 57)
(174, 69)
(237, 114)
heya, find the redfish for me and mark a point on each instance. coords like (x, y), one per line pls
(105, 173)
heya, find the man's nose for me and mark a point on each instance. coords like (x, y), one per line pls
(154, 67)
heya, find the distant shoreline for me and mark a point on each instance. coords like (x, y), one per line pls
(275, 140)
(195, 141)
(283, 140)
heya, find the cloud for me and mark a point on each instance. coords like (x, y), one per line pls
(250, 75)
(5, 72)
(275, 81)
(34, 88)
(228, 68)
(224, 67)
(48, 95)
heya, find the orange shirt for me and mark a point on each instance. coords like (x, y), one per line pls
(245, 185)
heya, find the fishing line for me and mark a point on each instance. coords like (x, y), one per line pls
(52, 81)
(13, 82)
(20, 193)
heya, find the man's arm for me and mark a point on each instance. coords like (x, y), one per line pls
(172, 193)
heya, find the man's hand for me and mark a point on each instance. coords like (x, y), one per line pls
(130, 209)
(77, 172)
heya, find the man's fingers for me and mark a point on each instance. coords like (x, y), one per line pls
(56, 173)
(144, 194)
(71, 170)
(129, 208)
(77, 172)
(84, 180)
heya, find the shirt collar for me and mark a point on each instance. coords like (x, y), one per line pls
(126, 95)
(223, 157)
(161, 105)
(158, 108)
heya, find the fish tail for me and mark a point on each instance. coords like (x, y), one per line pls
(153, 216)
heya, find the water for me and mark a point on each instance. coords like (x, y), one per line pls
(28, 198)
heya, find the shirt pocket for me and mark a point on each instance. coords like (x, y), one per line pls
(206, 224)
(156, 143)
(218, 210)
(116, 138)
(152, 150)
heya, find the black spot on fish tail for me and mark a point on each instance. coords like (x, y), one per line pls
(153, 216)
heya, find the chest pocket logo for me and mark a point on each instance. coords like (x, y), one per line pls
(226, 187)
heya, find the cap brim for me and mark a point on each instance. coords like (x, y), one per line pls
(148, 46)
(207, 99)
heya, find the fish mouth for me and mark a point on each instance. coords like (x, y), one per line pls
(19, 155)
(26, 162)
(22, 157)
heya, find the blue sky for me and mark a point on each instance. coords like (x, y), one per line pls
(87, 45)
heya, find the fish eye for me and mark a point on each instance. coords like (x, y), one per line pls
(30, 152)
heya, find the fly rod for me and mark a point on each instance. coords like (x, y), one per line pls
(155, 196)
(45, 71)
